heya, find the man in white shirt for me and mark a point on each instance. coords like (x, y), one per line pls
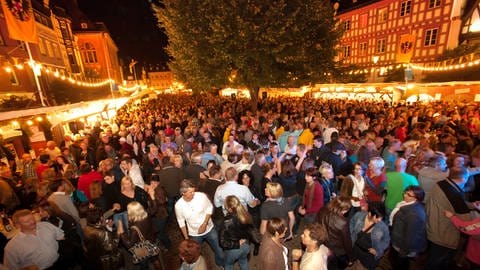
(232, 187)
(34, 246)
(194, 211)
(132, 170)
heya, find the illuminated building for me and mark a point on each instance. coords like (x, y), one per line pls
(382, 34)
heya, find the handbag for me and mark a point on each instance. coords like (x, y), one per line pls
(144, 249)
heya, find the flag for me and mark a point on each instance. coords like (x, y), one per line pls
(131, 65)
(405, 48)
(20, 20)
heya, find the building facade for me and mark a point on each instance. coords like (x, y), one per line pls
(382, 34)
(160, 80)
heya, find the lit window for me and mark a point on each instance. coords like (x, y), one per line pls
(346, 51)
(362, 49)
(84, 25)
(363, 20)
(431, 37)
(381, 45)
(89, 53)
(41, 46)
(434, 3)
(382, 15)
(347, 25)
(405, 8)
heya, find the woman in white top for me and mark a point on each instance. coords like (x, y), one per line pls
(353, 186)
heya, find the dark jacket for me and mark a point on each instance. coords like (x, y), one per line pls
(102, 248)
(146, 228)
(338, 232)
(409, 229)
(193, 171)
(170, 178)
(231, 231)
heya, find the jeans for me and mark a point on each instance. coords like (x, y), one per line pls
(240, 254)
(295, 201)
(212, 238)
(439, 257)
(121, 217)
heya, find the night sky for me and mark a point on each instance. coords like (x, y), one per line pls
(133, 28)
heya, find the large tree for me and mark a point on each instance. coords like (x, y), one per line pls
(250, 43)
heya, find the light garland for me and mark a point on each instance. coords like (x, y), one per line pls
(446, 68)
(38, 67)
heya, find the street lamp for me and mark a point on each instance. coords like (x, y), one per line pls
(375, 60)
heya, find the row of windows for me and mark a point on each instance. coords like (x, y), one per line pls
(382, 14)
(89, 53)
(431, 37)
(49, 48)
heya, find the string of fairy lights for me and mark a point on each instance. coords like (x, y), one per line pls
(426, 67)
(38, 68)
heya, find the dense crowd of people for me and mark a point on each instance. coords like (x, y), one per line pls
(355, 180)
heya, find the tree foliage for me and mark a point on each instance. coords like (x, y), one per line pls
(253, 44)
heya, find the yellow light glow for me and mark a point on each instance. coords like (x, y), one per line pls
(39, 119)
(8, 69)
(475, 26)
(19, 66)
(15, 125)
(29, 122)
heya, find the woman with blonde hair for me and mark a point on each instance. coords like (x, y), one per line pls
(129, 193)
(276, 206)
(235, 234)
(140, 223)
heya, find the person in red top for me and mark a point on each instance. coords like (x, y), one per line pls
(376, 179)
(44, 164)
(87, 176)
(471, 228)
(312, 197)
(401, 132)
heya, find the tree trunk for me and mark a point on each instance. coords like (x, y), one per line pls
(254, 98)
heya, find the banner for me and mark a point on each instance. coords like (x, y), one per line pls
(405, 48)
(20, 20)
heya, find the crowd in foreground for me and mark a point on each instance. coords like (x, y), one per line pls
(352, 179)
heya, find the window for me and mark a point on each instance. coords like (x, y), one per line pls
(382, 15)
(434, 3)
(89, 53)
(363, 20)
(431, 37)
(49, 49)
(41, 46)
(362, 49)
(347, 24)
(381, 44)
(346, 51)
(56, 52)
(405, 8)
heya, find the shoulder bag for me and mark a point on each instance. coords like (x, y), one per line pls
(144, 249)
